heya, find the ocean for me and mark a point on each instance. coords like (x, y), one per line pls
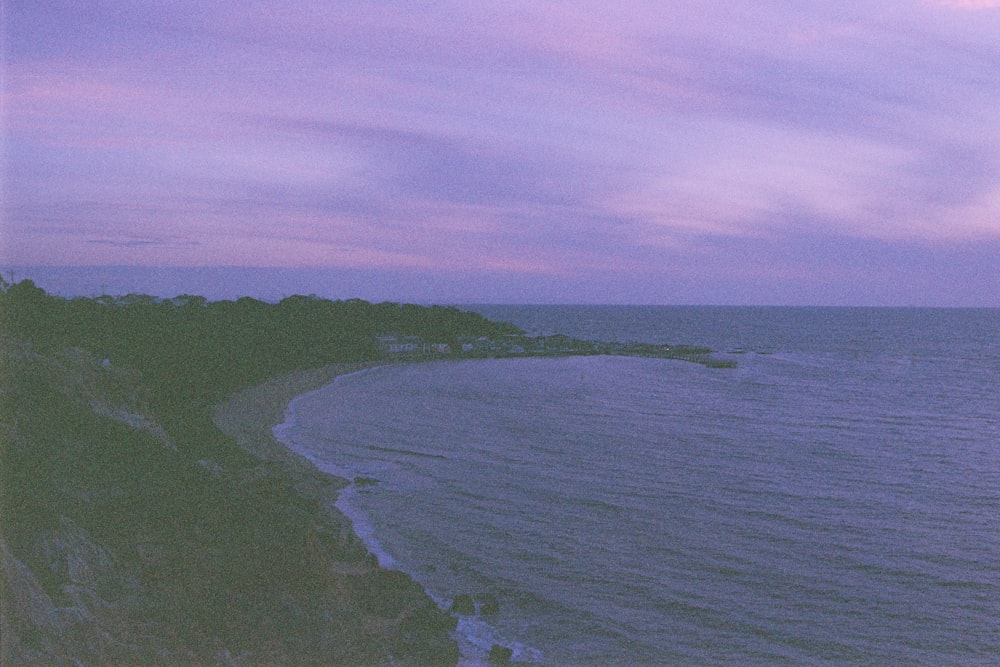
(834, 499)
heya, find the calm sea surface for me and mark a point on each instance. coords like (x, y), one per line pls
(835, 499)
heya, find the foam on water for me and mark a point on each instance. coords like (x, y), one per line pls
(832, 502)
(475, 636)
(347, 499)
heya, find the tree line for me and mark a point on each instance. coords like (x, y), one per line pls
(195, 350)
(208, 546)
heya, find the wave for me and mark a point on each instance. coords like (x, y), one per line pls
(707, 518)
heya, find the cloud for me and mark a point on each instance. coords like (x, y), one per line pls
(139, 243)
(968, 4)
(521, 139)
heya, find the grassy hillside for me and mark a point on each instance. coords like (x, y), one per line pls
(133, 531)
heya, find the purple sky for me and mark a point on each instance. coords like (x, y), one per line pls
(765, 152)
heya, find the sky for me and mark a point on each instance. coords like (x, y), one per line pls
(773, 152)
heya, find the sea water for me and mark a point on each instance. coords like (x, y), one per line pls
(834, 499)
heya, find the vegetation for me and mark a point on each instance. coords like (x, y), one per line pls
(115, 484)
(133, 531)
(197, 351)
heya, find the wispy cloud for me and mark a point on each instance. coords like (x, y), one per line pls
(969, 4)
(518, 139)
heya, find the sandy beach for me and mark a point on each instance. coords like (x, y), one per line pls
(249, 415)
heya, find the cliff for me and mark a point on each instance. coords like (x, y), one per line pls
(134, 531)
(119, 546)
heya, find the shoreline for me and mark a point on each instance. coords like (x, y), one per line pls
(250, 415)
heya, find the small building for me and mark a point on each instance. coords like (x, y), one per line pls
(391, 344)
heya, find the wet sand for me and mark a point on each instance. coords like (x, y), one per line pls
(249, 415)
(396, 615)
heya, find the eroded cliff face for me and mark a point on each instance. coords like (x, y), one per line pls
(90, 612)
(117, 547)
(67, 598)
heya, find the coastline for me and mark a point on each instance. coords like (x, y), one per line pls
(249, 417)
(151, 515)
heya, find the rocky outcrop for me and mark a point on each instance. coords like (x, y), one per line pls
(84, 614)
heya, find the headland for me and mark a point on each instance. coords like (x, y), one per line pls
(148, 515)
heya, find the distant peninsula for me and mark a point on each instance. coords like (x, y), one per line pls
(147, 516)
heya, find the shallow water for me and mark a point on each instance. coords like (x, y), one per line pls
(833, 499)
